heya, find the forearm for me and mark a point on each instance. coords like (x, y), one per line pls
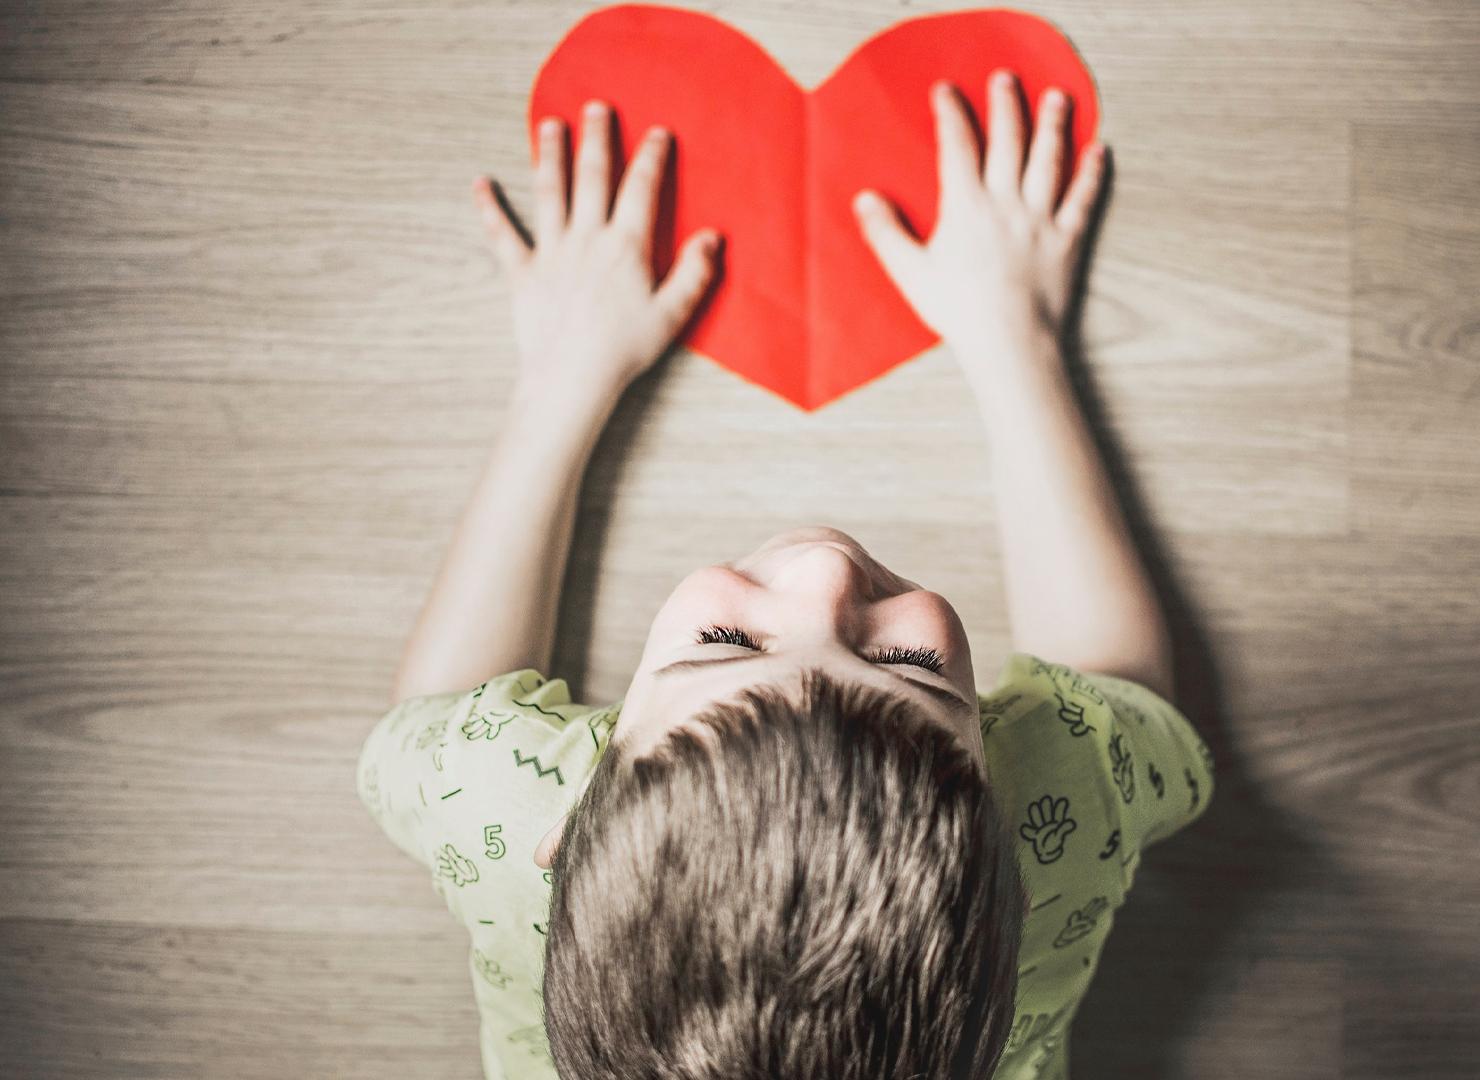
(1077, 590)
(495, 599)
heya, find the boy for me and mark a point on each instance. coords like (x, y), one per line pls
(803, 845)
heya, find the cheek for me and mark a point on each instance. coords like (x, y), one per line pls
(930, 618)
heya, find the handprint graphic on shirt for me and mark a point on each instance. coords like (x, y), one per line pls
(534, 1040)
(1129, 708)
(1031, 1027)
(435, 731)
(458, 869)
(1051, 1043)
(482, 726)
(1071, 680)
(491, 970)
(1120, 761)
(1072, 713)
(1080, 922)
(1047, 827)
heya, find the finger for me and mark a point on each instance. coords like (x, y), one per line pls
(894, 247)
(549, 182)
(592, 196)
(637, 198)
(1004, 136)
(1084, 189)
(684, 286)
(1045, 157)
(504, 237)
(957, 152)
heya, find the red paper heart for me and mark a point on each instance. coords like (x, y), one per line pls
(801, 305)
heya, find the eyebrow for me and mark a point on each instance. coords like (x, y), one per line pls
(940, 693)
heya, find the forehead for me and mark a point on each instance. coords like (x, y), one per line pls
(713, 593)
(684, 691)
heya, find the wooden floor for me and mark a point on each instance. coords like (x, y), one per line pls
(253, 351)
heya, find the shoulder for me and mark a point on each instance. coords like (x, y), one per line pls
(1093, 748)
(1029, 688)
(515, 747)
(1048, 732)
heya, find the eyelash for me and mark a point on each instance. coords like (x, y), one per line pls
(919, 655)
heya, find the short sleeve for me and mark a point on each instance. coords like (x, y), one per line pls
(1133, 756)
(1089, 769)
(1161, 767)
(397, 762)
(509, 756)
(467, 783)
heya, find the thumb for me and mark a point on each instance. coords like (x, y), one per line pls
(895, 248)
(687, 279)
(503, 236)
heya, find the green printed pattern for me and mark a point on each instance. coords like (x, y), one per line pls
(1092, 769)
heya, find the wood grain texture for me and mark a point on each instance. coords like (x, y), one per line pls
(251, 352)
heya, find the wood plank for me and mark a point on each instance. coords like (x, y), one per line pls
(253, 351)
(141, 1001)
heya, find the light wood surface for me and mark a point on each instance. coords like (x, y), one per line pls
(253, 348)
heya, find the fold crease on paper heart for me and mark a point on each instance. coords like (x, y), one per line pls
(801, 306)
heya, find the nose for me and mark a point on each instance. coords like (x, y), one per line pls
(829, 574)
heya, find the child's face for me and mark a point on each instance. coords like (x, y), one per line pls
(809, 597)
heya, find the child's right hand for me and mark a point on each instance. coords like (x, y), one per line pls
(1002, 258)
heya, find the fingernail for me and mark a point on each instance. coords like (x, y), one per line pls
(1054, 97)
(595, 108)
(1003, 77)
(709, 243)
(550, 125)
(863, 200)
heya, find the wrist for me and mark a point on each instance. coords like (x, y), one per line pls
(1019, 322)
(989, 357)
(548, 419)
(579, 402)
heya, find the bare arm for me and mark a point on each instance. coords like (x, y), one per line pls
(493, 605)
(993, 280)
(588, 318)
(1077, 589)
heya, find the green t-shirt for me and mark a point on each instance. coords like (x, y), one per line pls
(1091, 769)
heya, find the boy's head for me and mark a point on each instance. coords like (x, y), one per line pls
(807, 597)
(790, 866)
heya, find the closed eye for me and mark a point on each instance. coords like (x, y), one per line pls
(919, 655)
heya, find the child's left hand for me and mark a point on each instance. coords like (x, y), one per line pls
(586, 315)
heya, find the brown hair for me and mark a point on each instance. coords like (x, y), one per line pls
(818, 887)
